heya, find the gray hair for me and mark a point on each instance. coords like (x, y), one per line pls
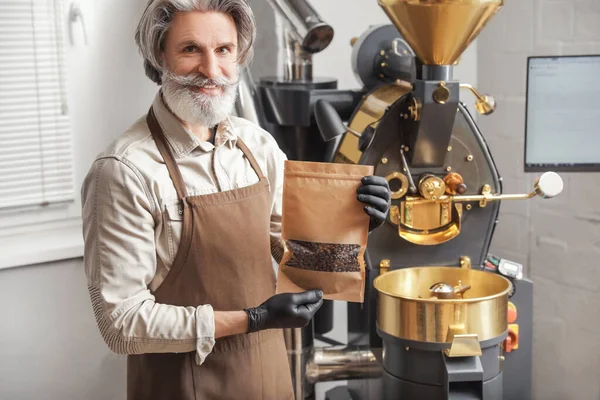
(155, 23)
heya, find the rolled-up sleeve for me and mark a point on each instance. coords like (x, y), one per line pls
(120, 261)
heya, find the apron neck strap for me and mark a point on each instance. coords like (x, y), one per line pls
(250, 158)
(167, 154)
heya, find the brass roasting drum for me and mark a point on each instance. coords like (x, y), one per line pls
(409, 309)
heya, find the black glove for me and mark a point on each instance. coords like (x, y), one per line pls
(285, 310)
(375, 194)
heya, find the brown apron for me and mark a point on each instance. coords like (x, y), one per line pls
(223, 260)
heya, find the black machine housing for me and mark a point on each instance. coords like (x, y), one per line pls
(450, 141)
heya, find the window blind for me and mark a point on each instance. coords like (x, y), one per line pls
(36, 160)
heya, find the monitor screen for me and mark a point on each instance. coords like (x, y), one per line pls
(562, 131)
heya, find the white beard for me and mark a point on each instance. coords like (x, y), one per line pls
(198, 108)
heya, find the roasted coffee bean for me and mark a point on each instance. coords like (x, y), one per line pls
(325, 257)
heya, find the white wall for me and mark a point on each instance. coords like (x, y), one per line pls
(108, 88)
(50, 347)
(557, 240)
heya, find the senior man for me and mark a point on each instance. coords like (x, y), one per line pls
(179, 216)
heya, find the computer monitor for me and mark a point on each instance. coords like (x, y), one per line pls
(562, 122)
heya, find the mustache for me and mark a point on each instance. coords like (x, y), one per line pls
(199, 80)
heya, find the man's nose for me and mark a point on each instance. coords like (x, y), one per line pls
(210, 66)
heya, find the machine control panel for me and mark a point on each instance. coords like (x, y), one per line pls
(507, 268)
(512, 340)
(510, 269)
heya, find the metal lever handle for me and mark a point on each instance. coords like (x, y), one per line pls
(547, 186)
(460, 289)
(412, 187)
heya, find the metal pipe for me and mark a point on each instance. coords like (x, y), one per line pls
(299, 343)
(437, 72)
(491, 197)
(298, 63)
(342, 363)
(306, 26)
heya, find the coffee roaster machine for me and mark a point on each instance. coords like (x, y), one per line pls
(442, 318)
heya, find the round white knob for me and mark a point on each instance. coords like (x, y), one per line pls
(549, 185)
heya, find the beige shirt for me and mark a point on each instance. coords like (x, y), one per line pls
(132, 227)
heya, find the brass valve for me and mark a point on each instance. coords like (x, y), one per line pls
(455, 184)
(431, 187)
(484, 104)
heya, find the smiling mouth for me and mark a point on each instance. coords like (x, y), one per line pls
(207, 89)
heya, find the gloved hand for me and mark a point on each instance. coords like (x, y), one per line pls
(285, 310)
(375, 194)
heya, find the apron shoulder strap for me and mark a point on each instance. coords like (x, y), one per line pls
(167, 154)
(250, 158)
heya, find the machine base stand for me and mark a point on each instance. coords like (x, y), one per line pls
(339, 393)
(398, 389)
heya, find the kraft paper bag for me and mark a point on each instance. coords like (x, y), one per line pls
(324, 230)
